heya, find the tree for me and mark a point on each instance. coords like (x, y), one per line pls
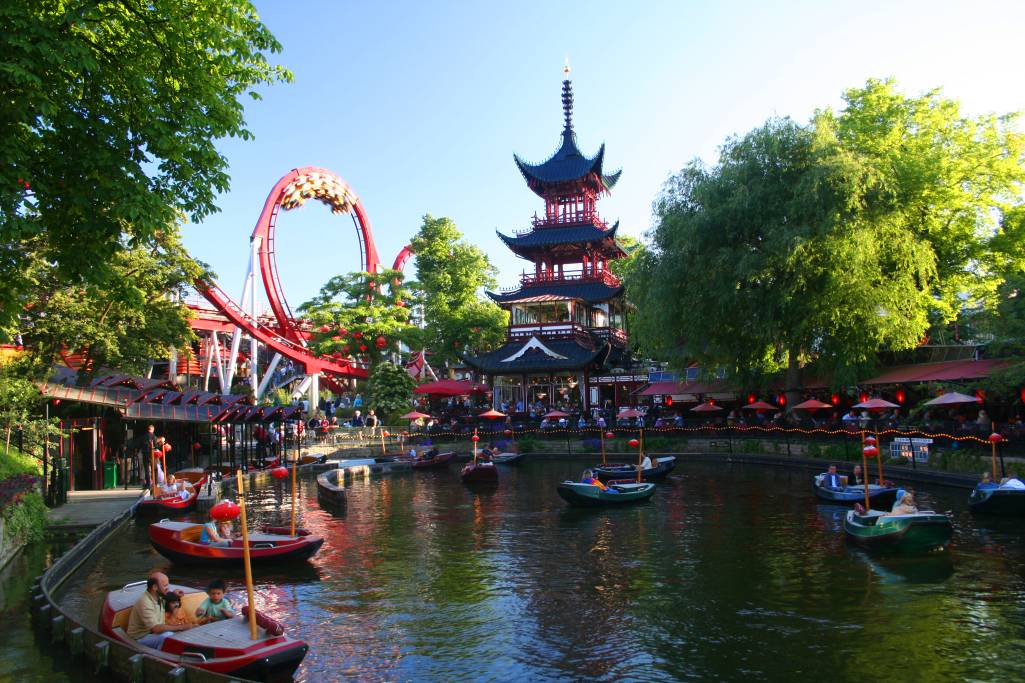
(111, 110)
(361, 316)
(946, 177)
(769, 260)
(134, 317)
(451, 273)
(389, 390)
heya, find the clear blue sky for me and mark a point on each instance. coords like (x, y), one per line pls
(420, 106)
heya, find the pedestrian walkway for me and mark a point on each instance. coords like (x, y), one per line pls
(88, 509)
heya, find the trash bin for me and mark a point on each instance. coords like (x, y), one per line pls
(110, 475)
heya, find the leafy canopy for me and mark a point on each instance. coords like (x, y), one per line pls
(451, 273)
(111, 111)
(389, 390)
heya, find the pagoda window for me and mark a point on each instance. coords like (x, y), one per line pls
(617, 315)
(579, 313)
(600, 316)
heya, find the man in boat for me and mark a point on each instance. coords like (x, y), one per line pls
(856, 478)
(146, 621)
(646, 464)
(832, 480)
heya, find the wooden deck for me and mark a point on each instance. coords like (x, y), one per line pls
(86, 510)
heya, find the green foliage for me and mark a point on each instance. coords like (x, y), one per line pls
(389, 390)
(451, 273)
(107, 134)
(25, 520)
(527, 444)
(862, 231)
(135, 316)
(13, 462)
(361, 316)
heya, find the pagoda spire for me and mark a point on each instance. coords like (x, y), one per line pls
(567, 100)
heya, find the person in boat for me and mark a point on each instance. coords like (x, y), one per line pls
(986, 480)
(831, 480)
(589, 478)
(146, 624)
(905, 505)
(216, 607)
(856, 478)
(215, 534)
(647, 464)
(484, 455)
(174, 615)
(1012, 482)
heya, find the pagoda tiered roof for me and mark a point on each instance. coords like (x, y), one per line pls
(570, 237)
(567, 165)
(540, 355)
(591, 291)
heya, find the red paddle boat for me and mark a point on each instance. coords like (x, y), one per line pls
(223, 647)
(438, 461)
(179, 542)
(170, 504)
(480, 473)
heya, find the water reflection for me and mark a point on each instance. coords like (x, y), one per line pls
(729, 571)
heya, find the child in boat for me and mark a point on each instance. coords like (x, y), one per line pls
(173, 612)
(216, 606)
(905, 505)
(216, 534)
(589, 478)
(986, 480)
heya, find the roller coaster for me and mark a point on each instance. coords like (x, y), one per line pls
(282, 333)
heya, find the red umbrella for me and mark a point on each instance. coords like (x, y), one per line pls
(630, 412)
(812, 404)
(414, 415)
(953, 398)
(492, 414)
(554, 413)
(759, 405)
(705, 408)
(875, 404)
(449, 387)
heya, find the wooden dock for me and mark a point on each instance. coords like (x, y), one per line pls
(86, 510)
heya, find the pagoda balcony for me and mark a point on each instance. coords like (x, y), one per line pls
(614, 335)
(604, 277)
(571, 218)
(563, 330)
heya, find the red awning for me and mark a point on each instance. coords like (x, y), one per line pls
(661, 388)
(449, 387)
(945, 371)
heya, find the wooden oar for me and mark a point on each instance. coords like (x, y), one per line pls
(245, 555)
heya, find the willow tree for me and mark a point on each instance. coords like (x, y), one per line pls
(769, 259)
(451, 277)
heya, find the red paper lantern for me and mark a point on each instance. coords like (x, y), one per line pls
(381, 342)
(362, 347)
(669, 400)
(862, 397)
(871, 451)
(751, 398)
(324, 328)
(1021, 395)
(980, 395)
(345, 349)
(870, 440)
(400, 304)
(835, 399)
(475, 438)
(405, 433)
(385, 434)
(995, 437)
(900, 395)
(610, 435)
(225, 511)
(781, 400)
(508, 432)
(279, 472)
(196, 446)
(357, 334)
(634, 443)
(342, 331)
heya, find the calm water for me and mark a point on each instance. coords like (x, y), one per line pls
(730, 572)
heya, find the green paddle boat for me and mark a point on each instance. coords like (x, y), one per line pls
(914, 532)
(583, 494)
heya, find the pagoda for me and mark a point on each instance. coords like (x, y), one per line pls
(567, 323)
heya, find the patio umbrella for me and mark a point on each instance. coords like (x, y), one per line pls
(629, 412)
(875, 404)
(951, 399)
(759, 405)
(414, 415)
(553, 414)
(492, 414)
(705, 408)
(812, 404)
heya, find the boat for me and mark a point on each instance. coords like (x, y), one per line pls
(179, 542)
(479, 473)
(588, 495)
(192, 475)
(879, 497)
(162, 506)
(222, 647)
(313, 459)
(623, 471)
(507, 458)
(438, 461)
(992, 500)
(915, 532)
(331, 489)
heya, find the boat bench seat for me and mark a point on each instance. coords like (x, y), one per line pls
(192, 534)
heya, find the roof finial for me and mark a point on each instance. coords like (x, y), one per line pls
(567, 99)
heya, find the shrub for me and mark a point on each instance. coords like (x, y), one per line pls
(24, 521)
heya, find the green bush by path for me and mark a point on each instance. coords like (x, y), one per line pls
(14, 462)
(25, 520)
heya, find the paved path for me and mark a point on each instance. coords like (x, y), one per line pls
(87, 509)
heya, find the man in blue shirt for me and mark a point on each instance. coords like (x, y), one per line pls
(832, 479)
